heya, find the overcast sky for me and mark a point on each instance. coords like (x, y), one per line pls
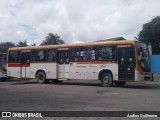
(74, 20)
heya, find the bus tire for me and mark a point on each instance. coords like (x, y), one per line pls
(57, 81)
(106, 80)
(41, 77)
(120, 84)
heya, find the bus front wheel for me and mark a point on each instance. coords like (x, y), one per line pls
(106, 80)
(41, 77)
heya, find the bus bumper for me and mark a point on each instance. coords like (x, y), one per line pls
(143, 77)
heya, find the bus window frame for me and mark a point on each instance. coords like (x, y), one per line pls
(114, 53)
(71, 55)
(45, 54)
(19, 57)
(87, 54)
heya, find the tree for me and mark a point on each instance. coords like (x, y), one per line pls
(52, 39)
(150, 34)
(33, 44)
(22, 44)
(5, 45)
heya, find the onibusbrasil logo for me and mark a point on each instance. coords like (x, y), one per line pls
(21, 114)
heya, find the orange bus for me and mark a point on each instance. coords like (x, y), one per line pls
(110, 62)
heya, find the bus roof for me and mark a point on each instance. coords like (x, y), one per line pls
(120, 42)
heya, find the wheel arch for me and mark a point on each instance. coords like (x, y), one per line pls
(104, 71)
(40, 70)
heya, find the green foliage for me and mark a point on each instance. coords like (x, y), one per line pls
(52, 39)
(22, 44)
(34, 44)
(5, 45)
(150, 34)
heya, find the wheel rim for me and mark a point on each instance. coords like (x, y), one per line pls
(106, 79)
(41, 77)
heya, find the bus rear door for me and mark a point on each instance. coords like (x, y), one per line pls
(25, 64)
(63, 64)
(126, 62)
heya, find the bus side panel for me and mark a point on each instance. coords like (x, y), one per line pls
(91, 70)
(14, 70)
(83, 71)
(73, 69)
(50, 69)
(113, 67)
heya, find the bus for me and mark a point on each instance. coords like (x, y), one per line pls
(3, 65)
(110, 62)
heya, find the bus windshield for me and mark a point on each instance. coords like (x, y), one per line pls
(143, 56)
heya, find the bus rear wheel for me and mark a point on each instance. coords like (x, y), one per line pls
(120, 84)
(41, 77)
(106, 80)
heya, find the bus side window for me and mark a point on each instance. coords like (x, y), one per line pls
(77, 56)
(82, 54)
(91, 53)
(87, 53)
(51, 55)
(66, 57)
(98, 54)
(105, 53)
(41, 55)
(61, 57)
(14, 57)
(74, 54)
(34, 55)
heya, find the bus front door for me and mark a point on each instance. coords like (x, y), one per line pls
(25, 64)
(63, 64)
(126, 62)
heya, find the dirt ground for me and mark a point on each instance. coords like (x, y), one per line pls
(27, 95)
